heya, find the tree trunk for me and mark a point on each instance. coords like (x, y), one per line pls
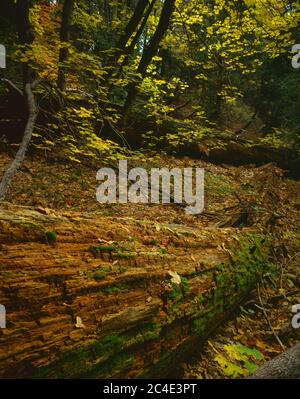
(19, 158)
(108, 12)
(284, 366)
(138, 34)
(64, 38)
(131, 26)
(26, 37)
(150, 50)
(129, 49)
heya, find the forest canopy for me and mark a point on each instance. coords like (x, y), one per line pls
(143, 74)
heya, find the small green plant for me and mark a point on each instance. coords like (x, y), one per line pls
(120, 255)
(163, 251)
(99, 274)
(179, 291)
(50, 237)
(184, 286)
(102, 248)
(115, 289)
(99, 251)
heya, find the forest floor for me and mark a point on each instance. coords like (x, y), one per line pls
(236, 197)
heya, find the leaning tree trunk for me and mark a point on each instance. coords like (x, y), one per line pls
(131, 26)
(64, 38)
(129, 49)
(122, 46)
(284, 366)
(150, 50)
(19, 158)
(26, 37)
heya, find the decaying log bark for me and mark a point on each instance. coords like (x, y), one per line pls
(92, 296)
(283, 366)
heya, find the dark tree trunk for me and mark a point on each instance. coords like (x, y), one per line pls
(131, 26)
(139, 32)
(64, 38)
(129, 49)
(107, 12)
(25, 34)
(161, 29)
(151, 49)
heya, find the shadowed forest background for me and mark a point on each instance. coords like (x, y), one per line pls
(130, 290)
(150, 74)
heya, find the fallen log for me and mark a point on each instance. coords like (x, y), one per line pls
(234, 150)
(104, 297)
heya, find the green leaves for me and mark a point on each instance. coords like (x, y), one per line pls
(237, 360)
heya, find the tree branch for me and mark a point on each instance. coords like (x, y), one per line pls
(12, 85)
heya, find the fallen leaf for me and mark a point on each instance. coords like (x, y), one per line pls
(176, 279)
(79, 323)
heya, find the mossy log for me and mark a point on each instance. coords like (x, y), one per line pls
(74, 309)
(232, 150)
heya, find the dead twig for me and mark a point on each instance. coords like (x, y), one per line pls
(13, 86)
(262, 307)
